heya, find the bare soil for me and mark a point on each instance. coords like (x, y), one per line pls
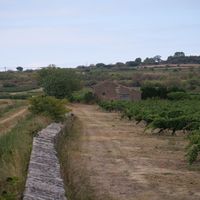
(123, 162)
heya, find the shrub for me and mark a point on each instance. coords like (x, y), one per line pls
(14, 96)
(89, 97)
(83, 96)
(58, 82)
(154, 91)
(49, 106)
(178, 96)
(9, 85)
(160, 91)
(194, 146)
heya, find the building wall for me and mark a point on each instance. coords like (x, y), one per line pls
(113, 91)
(106, 91)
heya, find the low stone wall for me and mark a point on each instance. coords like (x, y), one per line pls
(44, 180)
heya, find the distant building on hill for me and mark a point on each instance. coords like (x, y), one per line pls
(108, 90)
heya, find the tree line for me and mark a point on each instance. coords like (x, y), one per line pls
(177, 58)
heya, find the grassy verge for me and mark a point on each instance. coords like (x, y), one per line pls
(73, 166)
(12, 107)
(15, 149)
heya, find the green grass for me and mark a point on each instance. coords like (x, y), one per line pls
(11, 107)
(15, 149)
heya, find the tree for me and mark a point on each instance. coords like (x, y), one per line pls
(51, 65)
(19, 69)
(59, 82)
(100, 65)
(149, 61)
(138, 61)
(179, 54)
(135, 63)
(131, 63)
(119, 64)
(157, 59)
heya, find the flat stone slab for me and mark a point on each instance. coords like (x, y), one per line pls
(44, 180)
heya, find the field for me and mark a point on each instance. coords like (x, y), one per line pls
(184, 77)
(18, 85)
(161, 114)
(113, 158)
(113, 149)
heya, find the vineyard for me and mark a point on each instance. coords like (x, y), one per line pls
(164, 115)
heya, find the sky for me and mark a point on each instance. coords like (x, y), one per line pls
(68, 33)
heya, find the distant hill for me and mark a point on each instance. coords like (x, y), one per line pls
(18, 81)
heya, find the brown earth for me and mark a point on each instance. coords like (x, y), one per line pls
(125, 163)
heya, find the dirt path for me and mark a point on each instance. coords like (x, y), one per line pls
(7, 122)
(127, 164)
(14, 115)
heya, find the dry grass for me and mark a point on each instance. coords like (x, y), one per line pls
(73, 165)
(124, 162)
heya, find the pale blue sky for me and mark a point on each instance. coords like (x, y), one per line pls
(35, 33)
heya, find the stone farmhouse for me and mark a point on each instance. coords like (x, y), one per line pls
(108, 90)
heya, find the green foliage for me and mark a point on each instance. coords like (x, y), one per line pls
(179, 54)
(89, 97)
(194, 146)
(154, 91)
(164, 115)
(6, 76)
(13, 106)
(149, 61)
(7, 84)
(9, 87)
(180, 58)
(83, 96)
(17, 82)
(59, 82)
(19, 69)
(178, 95)
(14, 96)
(135, 63)
(100, 65)
(15, 149)
(49, 106)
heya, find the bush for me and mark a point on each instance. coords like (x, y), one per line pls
(49, 106)
(178, 96)
(9, 85)
(14, 96)
(154, 91)
(161, 91)
(83, 96)
(194, 146)
(89, 97)
(15, 88)
(58, 82)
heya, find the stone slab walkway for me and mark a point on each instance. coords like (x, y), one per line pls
(44, 180)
